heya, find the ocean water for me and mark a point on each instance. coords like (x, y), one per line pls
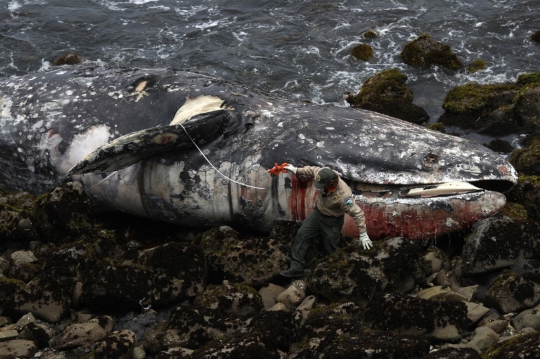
(300, 49)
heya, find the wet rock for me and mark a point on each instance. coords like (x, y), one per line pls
(38, 333)
(425, 51)
(402, 314)
(475, 66)
(337, 331)
(17, 348)
(526, 160)
(386, 93)
(527, 106)
(118, 344)
(161, 276)
(67, 59)
(236, 299)
(269, 294)
(453, 353)
(527, 319)
(193, 327)
(65, 213)
(500, 146)
(521, 346)
(536, 36)
(353, 275)
(511, 292)
(362, 52)
(84, 334)
(496, 243)
(476, 107)
(253, 261)
(293, 295)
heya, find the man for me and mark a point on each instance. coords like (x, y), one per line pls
(334, 199)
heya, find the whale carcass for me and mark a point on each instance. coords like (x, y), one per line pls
(195, 150)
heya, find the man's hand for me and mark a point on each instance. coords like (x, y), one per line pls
(291, 168)
(364, 241)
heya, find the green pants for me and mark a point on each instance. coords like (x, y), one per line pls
(317, 225)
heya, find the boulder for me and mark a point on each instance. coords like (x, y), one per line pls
(520, 346)
(408, 315)
(161, 276)
(424, 51)
(40, 334)
(527, 106)
(118, 345)
(497, 243)
(386, 93)
(511, 292)
(526, 160)
(17, 348)
(253, 261)
(529, 318)
(231, 299)
(23, 257)
(84, 334)
(350, 274)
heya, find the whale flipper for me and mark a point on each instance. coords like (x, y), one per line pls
(136, 146)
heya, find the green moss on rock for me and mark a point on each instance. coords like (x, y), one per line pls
(477, 100)
(424, 52)
(527, 160)
(370, 34)
(362, 52)
(528, 79)
(476, 65)
(437, 126)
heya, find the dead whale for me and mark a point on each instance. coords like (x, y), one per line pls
(191, 149)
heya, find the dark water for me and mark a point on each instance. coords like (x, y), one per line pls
(298, 48)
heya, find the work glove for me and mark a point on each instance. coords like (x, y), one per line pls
(364, 241)
(291, 168)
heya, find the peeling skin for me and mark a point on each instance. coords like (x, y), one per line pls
(51, 121)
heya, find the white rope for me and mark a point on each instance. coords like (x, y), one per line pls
(210, 163)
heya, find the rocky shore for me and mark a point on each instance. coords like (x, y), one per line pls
(76, 283)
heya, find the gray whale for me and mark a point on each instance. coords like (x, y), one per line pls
(195, 150)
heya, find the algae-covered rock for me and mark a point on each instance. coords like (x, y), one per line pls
(526, 160)
(65, 213)
(17, 217)
(528, 79)
(253, 261)
(475, 66)
(536, 36)
(118, 345)
(527, 194)
(370, 34)
(351, 275)
(527, 105)
(67, 59)
(498, 145)
(386, 93)
(409, 315)
(496, 243)
(362, 52)
(511, 292)
(237, 299)
(517, 347)
(425, 51)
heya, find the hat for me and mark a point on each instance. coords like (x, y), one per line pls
(324, 175)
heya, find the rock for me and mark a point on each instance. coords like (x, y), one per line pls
(529, 318)
(536, 36)
(434, 260)
(216, 238)
(161, 276)
(351, 275)
(510, 292)
(521, 346)
(65, 213)
(527, 106)
(67, 59)
(475, 311)
(475, 66)
(152, 342)
(139, 353)
(24, 321)
(235, 299)
(253, 261)
(527, 161)
(84, 334)
(407, 315)
(424, 51)
(386, 93)
(17, 348)
(453, 353)
(307, 303)
(293, 295)
(4, 265)
(482, 338)
(494, 321)
(433, 293)
(269, 294)
(8, 335)
(493, 244)
(16, 214)
(38, 333)
(23, 257)
(362, 52)
(118, 345)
